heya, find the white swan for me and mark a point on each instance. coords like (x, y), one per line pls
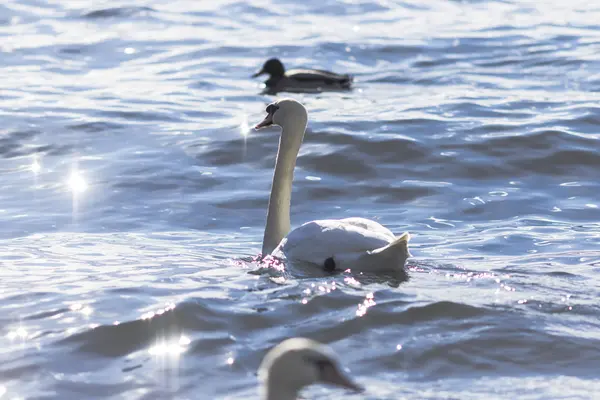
(350, 243)
(296, 363)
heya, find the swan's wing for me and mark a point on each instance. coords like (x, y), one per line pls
(316, 241)
(369, 225)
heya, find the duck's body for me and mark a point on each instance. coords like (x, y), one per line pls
(352, 243)
(301, 79)
(296, 363)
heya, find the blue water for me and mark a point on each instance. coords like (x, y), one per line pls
(133, 192)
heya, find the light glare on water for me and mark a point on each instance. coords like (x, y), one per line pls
(77, 182)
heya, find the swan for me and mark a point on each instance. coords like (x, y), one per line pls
(296, 363)
(301, 80)
(351, 243)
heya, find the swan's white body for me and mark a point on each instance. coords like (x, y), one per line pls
(296, 363)
(350, 243)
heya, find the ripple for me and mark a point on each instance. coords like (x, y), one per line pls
(118, 12)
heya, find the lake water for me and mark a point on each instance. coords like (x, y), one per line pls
(131, 197)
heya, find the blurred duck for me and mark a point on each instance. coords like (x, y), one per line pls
(301, 80)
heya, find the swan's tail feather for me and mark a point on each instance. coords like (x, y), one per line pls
(395, 252)
(404, 238)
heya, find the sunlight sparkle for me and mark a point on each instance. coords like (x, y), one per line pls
(244, 128)
(35, 167)
(170, 347)
(77, 183)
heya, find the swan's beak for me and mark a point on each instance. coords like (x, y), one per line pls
(259, 73)
(268, 121)
(335, 377)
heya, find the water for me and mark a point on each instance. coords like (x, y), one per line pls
(131, 196)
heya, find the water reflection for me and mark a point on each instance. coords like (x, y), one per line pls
(77, 183)
(35, 166)
(365, 305)
(20, 333)
(152, 314)
(170, 348)
(85, 310)
(244, 131)
(244, 127)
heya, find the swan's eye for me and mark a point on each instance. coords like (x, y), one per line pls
(271, 108)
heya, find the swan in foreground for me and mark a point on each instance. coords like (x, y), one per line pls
(352, 243)
(296, 363)
(301, 80)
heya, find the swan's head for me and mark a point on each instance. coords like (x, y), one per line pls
(285, 113)
(273, 67)
(298, 362)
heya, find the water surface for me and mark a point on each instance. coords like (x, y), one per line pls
(131, 196)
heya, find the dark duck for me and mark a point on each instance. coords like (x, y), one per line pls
(301, 80)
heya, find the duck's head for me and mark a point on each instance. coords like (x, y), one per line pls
(298, 362)
(285, 113)
(273, 67)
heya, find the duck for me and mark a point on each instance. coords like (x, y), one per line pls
(301, 80)
(299, 362)
(355, 244)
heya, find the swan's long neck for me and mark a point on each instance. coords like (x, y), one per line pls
(278, 214)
